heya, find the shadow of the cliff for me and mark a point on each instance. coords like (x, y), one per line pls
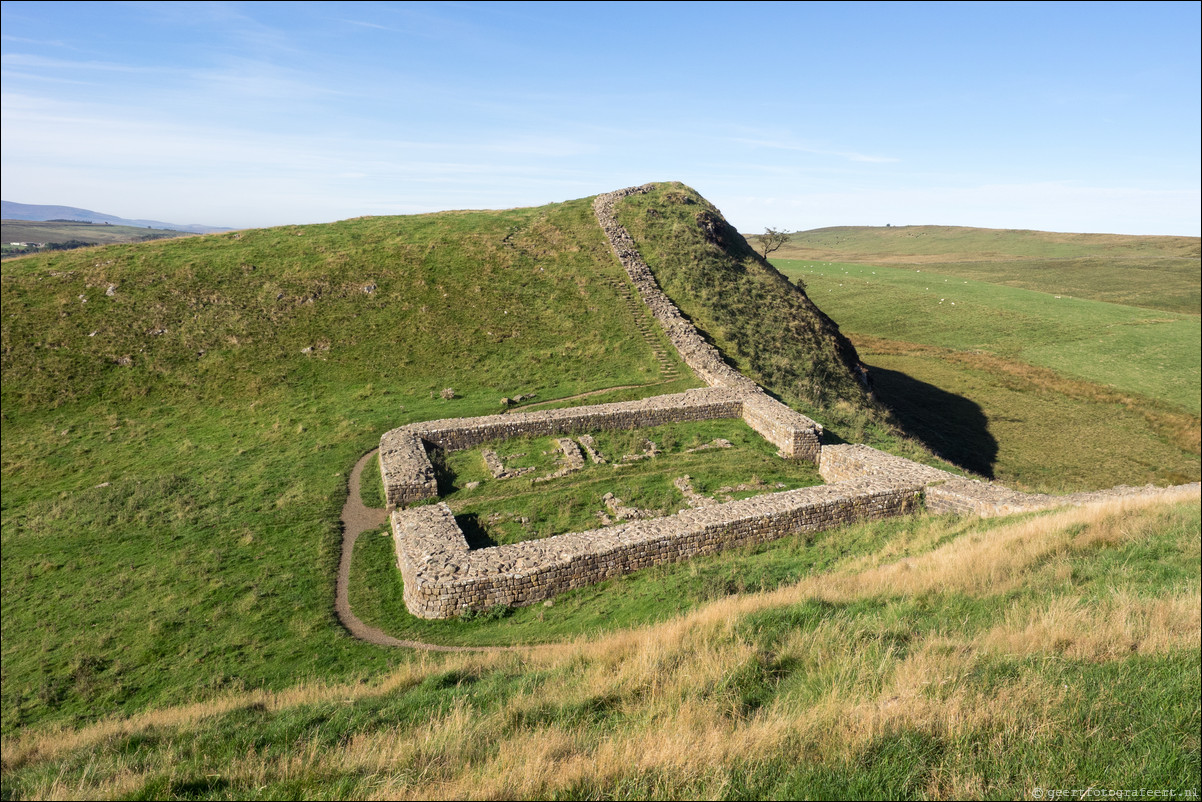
(950, 425)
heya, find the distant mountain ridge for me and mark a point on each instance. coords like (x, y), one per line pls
(10, 210)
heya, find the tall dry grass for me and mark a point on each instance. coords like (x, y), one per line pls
(670, 717)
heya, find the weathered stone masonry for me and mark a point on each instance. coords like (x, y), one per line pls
(443, 577)
(945, 492)
(409, 476)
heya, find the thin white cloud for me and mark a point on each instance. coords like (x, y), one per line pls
(41, 62)
(803, 148)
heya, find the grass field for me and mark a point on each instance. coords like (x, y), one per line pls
(91, 233)
(1031, 388)
(175, 456)
(1152, 272)
(946, 659)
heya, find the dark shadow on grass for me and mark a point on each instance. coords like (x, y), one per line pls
(951, 425)
(473, 532)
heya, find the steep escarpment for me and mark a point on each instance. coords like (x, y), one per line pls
(765, 325)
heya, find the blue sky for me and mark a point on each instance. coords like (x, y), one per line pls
(1062, 117)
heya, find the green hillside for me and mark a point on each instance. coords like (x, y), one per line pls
(180, 416)
(179, 420)
(1039, 390)
(1151, 272)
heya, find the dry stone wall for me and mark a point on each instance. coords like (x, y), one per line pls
(945, 492)
(442, 578)
(408, 474)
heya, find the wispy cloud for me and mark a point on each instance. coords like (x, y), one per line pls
(798, 147)
(29, 61)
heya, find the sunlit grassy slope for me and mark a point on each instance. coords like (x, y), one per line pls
(179, 418)
(944, 659)
(1038, 389)
(1152, 272)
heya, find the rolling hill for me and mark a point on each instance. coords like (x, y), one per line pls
(179, 420)
(11, 210)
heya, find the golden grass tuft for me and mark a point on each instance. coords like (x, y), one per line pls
(667, 709)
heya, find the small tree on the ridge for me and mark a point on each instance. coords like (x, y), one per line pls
(771, 240)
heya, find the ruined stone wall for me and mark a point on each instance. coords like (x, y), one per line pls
(794, 434)
(405, 469)
(456, 434)
(700, 356)
(409, 476)
(844, 463)
(945, 492)
(989, 500)
(443, 578)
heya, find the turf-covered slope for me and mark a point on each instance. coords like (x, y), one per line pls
(179, 418)
(480, 301)
(767, 326)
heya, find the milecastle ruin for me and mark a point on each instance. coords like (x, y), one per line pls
(443, 577)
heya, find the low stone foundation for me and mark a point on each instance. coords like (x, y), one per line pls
(443, 578)
(409, 476)
(945, 492)
(989, 500)
(849, 462)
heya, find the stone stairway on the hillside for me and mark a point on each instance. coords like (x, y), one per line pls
(668, 367)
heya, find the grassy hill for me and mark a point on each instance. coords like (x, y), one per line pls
(179, 418)
(57, 231)
(1151, 272)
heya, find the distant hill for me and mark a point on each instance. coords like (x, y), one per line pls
(33, 211)
(23, 237)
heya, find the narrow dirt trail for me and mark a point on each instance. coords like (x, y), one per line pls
(358, 518)
(517, 407)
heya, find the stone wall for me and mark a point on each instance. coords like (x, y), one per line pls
(945, 492)
(409, 476)
(793, 433)
(988, 500)
(405, 469)
(700, 356)
(844, 463)
(443, 578)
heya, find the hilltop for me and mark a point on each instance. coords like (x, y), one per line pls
(179, 415)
